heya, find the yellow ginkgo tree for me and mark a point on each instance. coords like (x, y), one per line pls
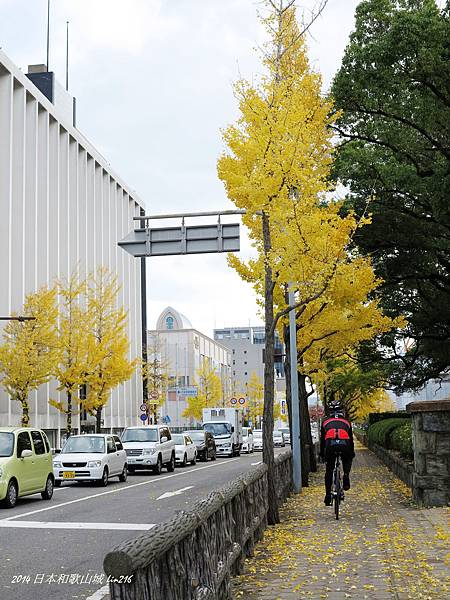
(75, 345)
(155, 372)
(28, 350)
(109, 360)
(209, 392)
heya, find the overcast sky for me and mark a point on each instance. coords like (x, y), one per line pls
(153, 81)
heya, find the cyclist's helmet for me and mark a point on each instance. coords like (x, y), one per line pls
(335, 409)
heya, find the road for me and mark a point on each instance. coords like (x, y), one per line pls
(43, 543)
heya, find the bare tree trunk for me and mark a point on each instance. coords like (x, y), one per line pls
(25, 411)
(98, 420)
(69, 414)
(269, 366)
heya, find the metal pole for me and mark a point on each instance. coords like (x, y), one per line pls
(67, 56)
(296, 446)
(143, 274)
(214, 213)
(48, 33)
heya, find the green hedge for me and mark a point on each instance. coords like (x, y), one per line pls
(393, 434)
(401, 440)
(399, 414)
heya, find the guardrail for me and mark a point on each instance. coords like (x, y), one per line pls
(194, 555)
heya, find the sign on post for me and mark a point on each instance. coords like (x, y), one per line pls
(185, 239)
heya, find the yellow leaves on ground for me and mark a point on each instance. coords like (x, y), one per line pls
(382, 546)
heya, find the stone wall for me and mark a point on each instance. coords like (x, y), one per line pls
(431, 444)
(396, 463)
(194, 555)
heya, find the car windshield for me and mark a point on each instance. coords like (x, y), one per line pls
(178, 439)
(6, 443)
(277, 434)
(84, 444)
(196, 435)
(218, 428)
(140, 435)
(257, 434)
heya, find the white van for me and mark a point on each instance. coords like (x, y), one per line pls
(149, 447)
(247, 440)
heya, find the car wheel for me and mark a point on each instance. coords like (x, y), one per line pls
(184, 463)
(214, 456)
(123, 476)
(11, 495)
(104, 480)
(171, 466)
(194, 460)
(48, 492)
(58, 482)
(130, 469)
(158, 467)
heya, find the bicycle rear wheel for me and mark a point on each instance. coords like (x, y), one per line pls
(338, 490)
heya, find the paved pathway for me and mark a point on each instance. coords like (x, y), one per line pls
(382, 547)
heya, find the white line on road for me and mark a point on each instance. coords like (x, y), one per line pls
(258, 463)
(99, 594)
(57, 525)
(176, 493)
(115, 491)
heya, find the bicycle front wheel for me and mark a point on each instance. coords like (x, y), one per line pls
(337, 501)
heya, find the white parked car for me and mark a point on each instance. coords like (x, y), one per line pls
(286, 433)
(93, 457)
(149, 447)
(247, 440)
(257, 439)
(185, 449)
(278, 439)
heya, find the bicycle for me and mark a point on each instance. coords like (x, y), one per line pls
(337, 490)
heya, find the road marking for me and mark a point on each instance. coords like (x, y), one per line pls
(57, 525)
(258, 463)
(100, 593)
(115, 491)
(176, 493)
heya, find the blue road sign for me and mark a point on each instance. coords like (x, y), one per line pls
(143, 417)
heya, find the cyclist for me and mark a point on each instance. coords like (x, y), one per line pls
(336, 436)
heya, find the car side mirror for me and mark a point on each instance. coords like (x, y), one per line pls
(26, 453)
(232, 429)
(56, 450)
(163, 439)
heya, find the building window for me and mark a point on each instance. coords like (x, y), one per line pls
(245, 362)
(234, 351)
(245, 351)
(245, 373)
(234, 362)
(169, 322)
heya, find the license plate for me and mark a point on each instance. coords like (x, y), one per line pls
(69, 475)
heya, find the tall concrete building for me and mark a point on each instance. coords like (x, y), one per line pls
(247, 346)
(61, 208)
(184, 349)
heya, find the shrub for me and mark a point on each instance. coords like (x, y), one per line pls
(380, 432)
(401, 440)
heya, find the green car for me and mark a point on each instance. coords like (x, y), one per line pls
(25, 464)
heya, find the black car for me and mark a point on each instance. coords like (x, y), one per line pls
(206, 446)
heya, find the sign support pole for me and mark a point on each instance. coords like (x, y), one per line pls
(296, 442)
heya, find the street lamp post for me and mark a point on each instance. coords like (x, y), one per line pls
(295, 442)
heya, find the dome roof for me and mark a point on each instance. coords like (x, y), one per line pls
(172, 319)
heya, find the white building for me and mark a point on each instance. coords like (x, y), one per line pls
(184, 349)
(61, 207)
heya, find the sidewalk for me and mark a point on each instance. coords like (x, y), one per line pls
(381, 548)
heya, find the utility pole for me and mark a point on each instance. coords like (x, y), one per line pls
(295, 442)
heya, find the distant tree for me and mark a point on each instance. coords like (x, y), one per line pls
(28, 351)
(394, 92)
(110, 364)
(209, 392)
(255, 399)
(156, 373)
(75, 345)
